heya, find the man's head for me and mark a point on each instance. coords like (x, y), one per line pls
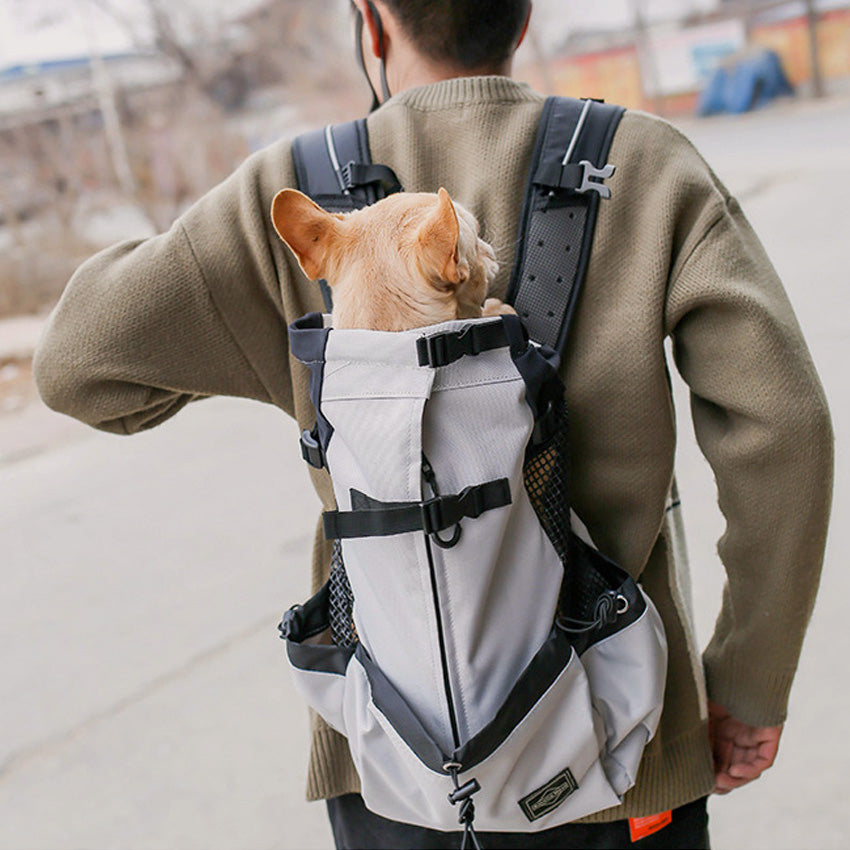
(415, 42)
(469, 35)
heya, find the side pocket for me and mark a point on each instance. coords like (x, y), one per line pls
(318, 667)
(537, 763)
(318, 673)
(627, 673)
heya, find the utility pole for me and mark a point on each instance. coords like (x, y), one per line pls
(814, 51)
(646, 58)
(106, 101)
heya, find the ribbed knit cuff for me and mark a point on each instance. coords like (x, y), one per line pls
(748, 692)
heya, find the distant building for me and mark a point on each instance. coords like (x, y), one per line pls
(663, 67)
(44, 91)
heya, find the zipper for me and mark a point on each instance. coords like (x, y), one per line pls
(442, 642)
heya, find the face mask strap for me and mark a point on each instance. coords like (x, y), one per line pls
(358, 47)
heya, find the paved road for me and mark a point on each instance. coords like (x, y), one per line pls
(145, 702)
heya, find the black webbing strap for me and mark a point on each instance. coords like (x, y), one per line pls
(431, 516)
(333, 166)
(302, 622)
(444, 348)
(559, 214)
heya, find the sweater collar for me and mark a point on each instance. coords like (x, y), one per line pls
(465, 90)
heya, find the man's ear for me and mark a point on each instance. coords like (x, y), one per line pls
(437, 239)
(306, 228)
(524, 30)
(375, 28)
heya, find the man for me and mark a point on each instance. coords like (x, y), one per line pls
(144, 328)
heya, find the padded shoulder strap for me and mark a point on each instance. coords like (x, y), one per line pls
(565, 185)
(334, 167)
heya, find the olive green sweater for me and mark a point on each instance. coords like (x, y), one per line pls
(146, 327)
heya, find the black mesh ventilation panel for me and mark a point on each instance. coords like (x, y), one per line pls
(546, 476)
(341, 603)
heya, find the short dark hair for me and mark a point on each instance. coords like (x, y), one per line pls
(468, 34)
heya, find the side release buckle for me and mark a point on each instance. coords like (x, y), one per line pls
(311, 451)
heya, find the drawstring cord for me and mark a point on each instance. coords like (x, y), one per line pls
(463, 795)
(609, 606)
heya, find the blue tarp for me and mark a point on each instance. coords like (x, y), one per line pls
(744, 83)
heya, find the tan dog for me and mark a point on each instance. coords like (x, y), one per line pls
(410, 260)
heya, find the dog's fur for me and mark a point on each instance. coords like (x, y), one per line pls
(410, 260)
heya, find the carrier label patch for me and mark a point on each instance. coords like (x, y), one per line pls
(548, 797)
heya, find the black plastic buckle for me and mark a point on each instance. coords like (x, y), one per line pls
(443, 349)
(311, 451)
(468, 341)
(433, 517)
(356, 174)
(291, 624)
(470, 502)
(432, 350)
(351, 176)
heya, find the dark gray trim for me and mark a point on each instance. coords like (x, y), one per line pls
(544, 668)
(547, 664)
(308, 341)
(400, 715)
(319, 658)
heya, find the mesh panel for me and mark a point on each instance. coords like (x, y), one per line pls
(546, 476)
(341, 602)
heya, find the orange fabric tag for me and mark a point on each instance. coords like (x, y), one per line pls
(641, 827)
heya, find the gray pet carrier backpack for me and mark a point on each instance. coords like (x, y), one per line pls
(485, 661)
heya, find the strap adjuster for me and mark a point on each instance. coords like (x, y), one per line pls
(471, 340)
(443, 512)
(592, 177)
(311, 451)
(581, 177)
(356, 174)
(433, 350)
(291, 625)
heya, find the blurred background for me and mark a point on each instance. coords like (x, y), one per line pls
(144, 701)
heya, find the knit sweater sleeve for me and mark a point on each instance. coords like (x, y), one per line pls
(146, 326)
(762, 422)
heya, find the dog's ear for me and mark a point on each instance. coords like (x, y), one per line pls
(306, 228)
(438, 237)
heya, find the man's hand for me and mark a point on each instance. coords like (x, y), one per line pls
(741, 752)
